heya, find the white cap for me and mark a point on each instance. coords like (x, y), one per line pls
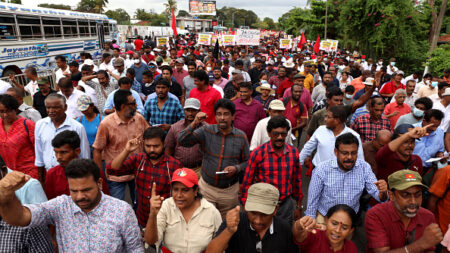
(369, 81)
(88, 62)
(447, 92)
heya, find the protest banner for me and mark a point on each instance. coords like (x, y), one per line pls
(162, 41)
(329, 45)
(247, 37)
(228, 40)
(285, 43)
(204, 39)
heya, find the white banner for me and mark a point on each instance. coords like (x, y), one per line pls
(247, 37)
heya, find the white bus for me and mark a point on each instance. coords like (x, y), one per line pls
(32, 36)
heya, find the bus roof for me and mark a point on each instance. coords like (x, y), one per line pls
(22, 9)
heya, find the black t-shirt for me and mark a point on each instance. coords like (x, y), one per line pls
(175, 89)
(38, 102)
(245, 239)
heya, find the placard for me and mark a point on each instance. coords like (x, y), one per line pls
(204, 39)
(285, 43)
(162, 41)
(329, 45)
(228, 40)
(247, 37)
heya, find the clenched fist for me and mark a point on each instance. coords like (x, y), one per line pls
(233, 219)
(12, 182)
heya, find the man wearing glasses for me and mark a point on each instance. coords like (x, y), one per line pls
(257, 229)
(277, 163)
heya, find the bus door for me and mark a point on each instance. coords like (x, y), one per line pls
(101, 35)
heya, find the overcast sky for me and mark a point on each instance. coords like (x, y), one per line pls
(263, 8)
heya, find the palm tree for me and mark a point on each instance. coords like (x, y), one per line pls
(170, 5)
(100, 5)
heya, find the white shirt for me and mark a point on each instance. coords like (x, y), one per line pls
(435, 98)
(129, 63)
(366, 65)
(410, 77)
(318, 93)
(219, 89)
(31, 87)
(60, 73)
(105, 66)
(44, 133)
(389, 71)
(72, 103)
(89, 90)
(113, 80)
(323, 141)
(245, 75)
(260, 135)
(4, 86)
(29, 112)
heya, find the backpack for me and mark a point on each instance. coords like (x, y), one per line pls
(300, 104)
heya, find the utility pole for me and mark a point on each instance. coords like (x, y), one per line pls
(326, 18)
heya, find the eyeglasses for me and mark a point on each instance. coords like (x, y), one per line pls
(345, 153)
(259, 247)
(276, 134)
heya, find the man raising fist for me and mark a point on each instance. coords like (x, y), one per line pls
(257, 229)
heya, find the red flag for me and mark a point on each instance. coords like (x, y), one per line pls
(317, 45)
(302, 41)
(174, 25)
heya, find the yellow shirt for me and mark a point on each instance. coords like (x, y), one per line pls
(309, 82)
(192, 237)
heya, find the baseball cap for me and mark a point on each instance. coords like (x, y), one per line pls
(403, 179)
(185, 176)
(236, 71)
(299, 76)
(83, 103)
(88, 62)
(43, 80)
(129, 52)
(118, 62)
(277, 105)
(180, 60)
(152, 62)
(401, 129)
(399, 72)
(446, 92)
(192, 103)
(369, 81)
(262, 197)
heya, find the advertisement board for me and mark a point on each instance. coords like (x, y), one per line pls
(202, 7)
(23, 51)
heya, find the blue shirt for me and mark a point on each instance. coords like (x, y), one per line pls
(330, 186)
(427, 146)
(44, 133)
(139, 71)
(31, 192)
(90, 127)
(358, 112)
(109, 104)
(136, 86)
(170, 113)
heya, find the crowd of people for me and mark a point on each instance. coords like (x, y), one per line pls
(214, 145)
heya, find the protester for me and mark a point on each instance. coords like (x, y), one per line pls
(421, 105)
(371, 148)
(102, 86)
(40, 96)
(71, 95)
(24, 110)
(207, 95)
(265, 94)
(439, 198)
(91, 118)
(398, 108)
(368, 125)
(124, 84)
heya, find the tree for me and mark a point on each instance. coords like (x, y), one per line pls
(183, 13)
(170, 5)
(437, 22)
(55, 6)
(154, 18)
(120, 15)
(439, 60)
(95, 6)
(270, 23)
(233, 17)
(12, 1)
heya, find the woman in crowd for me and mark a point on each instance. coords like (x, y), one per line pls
(91, 117)
(344, 81)
(16, 138)
(185, 222)
(340, 222)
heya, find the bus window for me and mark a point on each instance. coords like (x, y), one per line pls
(83, 26)
(93, 26)
(106, 28)
(7, 28)
(30, 27)
(52, 27)
(70, 28)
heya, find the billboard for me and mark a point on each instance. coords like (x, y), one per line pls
(202, 7)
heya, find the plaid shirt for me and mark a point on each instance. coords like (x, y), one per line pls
(283, 171)
(170, 113)
(367, 128)
(21, 239)
(146, 173)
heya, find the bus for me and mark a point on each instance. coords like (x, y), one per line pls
(33, 36)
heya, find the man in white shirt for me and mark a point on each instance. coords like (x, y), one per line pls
(391, 69)
(71, 94)
(239, 69)
(26, 111)
(415, 76)
(89, 62)
(444, 106)
(106, 63)
(32, 87)
(119, 71)
(324, 137)
(260, 135)
(4, 86)
(63, 68)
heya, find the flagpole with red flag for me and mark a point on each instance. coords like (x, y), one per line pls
(317, 45)
(174, 25)
(302, 41)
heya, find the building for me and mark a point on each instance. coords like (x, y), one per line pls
(195, 24)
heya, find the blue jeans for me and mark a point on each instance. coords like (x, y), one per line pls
(117, 189)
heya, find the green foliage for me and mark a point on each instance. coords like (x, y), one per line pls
(120, 15)
(241, 17)
(170, 5)
(439, 60)
(94, 6)
(270, 23)
(154, 18)
(183, 13)
(12, 1)
(55, 6)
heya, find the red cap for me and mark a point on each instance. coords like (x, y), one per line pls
(185, 176)
(129, 52)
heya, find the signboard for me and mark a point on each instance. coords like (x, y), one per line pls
(162, 41)
(228, 40)
(202, 7)
(204, 39)
(20, 52)
(329, 45)
(286, 43)
(247, 37)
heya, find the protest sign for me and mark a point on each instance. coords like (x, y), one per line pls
(247, 37)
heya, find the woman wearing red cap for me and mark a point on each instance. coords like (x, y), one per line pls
(184, 222)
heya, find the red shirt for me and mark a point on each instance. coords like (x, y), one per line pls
(56, 183)
(392, 107)
(138, 43)
(388, 162)
(208, 99)
(283, 86)
(319, 242)
(385, 229)
(389, 88)
(148, 58)
(292, 113)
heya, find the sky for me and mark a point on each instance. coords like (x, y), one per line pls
(262, 8)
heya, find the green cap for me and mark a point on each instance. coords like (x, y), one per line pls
(403, 179)
(43, 80)
(262, 197)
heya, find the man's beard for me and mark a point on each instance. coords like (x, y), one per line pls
(153, 155)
